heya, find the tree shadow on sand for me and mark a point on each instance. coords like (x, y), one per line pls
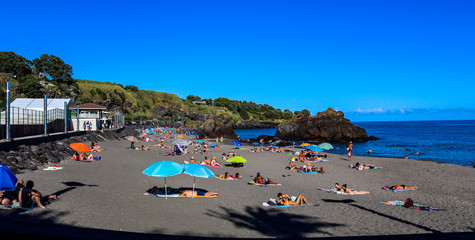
(72, 186)
(273, 222)
(352, 202)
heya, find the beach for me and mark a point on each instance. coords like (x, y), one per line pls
(107, 197)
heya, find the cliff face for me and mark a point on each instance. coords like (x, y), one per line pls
(329, 126)
(212, 129)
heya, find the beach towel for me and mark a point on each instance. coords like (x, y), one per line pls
(54, 167)
(415, 206)
(17, 206)
(260, 184)
(331, 190)
(272, 203)
(401, 190)
(309, 172)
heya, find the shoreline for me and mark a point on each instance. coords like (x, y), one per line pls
(107, 196)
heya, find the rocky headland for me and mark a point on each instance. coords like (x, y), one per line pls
(326, 126)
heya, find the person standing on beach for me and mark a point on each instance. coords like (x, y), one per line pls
(349, 150)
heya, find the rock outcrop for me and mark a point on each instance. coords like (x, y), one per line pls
(328, 126)
(35, 153)
(250, 124)
(212, 129)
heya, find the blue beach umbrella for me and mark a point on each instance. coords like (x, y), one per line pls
(197, 170)
(198, 141)
(237, 143)
(212, 145)
(314, 148)
(163, 169)
(256, 144)
(7, 179)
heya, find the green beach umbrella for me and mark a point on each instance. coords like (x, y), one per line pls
(237, 159)
(325, 146)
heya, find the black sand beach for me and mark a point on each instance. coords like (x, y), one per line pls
(105, 199)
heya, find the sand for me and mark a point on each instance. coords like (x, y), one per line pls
(106, 198)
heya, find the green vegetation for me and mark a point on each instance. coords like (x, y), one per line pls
(49, 75)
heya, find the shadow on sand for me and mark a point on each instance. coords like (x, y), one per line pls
(273, 221)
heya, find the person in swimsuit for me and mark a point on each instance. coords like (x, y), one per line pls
(359, 166)
(285, 199)
(401, 187)
(337, 187)
(190, 193)
(224, 176)
(351, 191)
(261, 180)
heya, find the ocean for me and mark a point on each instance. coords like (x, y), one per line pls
(440, 141)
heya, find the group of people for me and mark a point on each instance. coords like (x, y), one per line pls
(87, 126)
(84, 157)
(306, 168)
(226, 176)
(208, 162)
(25, 195)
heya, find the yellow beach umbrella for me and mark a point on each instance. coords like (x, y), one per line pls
(179, 136)
(305, 144)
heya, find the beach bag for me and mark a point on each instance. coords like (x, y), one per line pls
(408, 203)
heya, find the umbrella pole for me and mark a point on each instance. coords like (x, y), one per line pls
(193, 193)
(166, 196)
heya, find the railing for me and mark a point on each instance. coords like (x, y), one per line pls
(22, 116)
(27, 122)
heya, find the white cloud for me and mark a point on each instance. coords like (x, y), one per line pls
(374, 110)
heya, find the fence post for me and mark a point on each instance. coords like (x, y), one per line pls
(65, 117)
(77, 116)
(7, 113)
(45, 114)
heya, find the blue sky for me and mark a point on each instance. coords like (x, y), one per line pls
(373, 60)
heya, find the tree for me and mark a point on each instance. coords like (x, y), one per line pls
(193, 98)
(55, 68)
(288, 114)
(132, 88)
(306, 112)
(30, 86)
(16, 64)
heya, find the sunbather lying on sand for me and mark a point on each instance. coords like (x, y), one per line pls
(285, 199)
(292, 165)
(190, 193)
(214, 163)
(192, 160)
(226, 176)
(261, 180)
(363, 166)
(401, 187)
(351, 191)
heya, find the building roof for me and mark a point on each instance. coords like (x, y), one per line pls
(88, 106)
(38, 103)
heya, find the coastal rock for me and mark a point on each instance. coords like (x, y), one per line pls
(328, 126)
(212, 129)
(252, 124)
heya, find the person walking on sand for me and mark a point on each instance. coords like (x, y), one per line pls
(349, 151)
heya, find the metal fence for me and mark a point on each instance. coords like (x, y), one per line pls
(22, 116)
(27, 122)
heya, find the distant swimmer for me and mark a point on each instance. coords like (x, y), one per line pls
(405, 157)
(370, 151)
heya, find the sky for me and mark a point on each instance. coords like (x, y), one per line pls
(373, 60)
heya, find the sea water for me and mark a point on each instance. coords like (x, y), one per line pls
(441, 141)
